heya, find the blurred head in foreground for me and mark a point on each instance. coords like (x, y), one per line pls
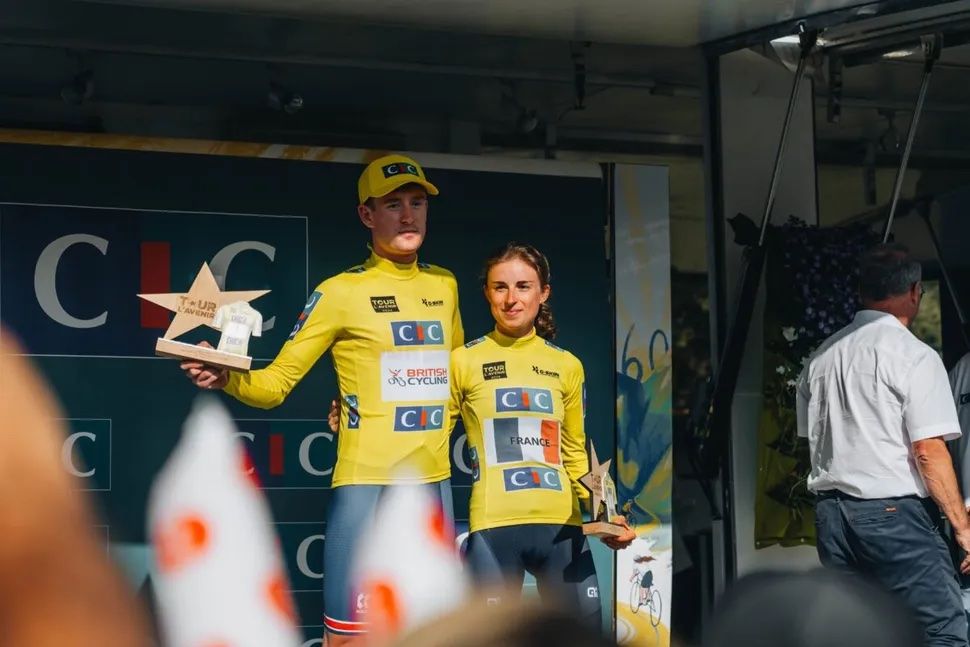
(526, 623)
(57, 586)
(810, 609)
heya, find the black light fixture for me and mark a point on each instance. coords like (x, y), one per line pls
(528, 121)
(578, 53)
(283, 99)
(79, 89)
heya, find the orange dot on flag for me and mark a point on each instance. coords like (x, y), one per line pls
(181, 542)
(385, 607)
(438, 526)
(279, 597)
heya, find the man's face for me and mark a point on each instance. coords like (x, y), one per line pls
(398, 221)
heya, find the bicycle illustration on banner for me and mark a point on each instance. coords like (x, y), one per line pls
(642, 592)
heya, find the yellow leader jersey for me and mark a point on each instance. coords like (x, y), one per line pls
(391, 328)
(522, 404)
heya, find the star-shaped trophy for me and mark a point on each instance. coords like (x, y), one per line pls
(603, 504)
(206, 305)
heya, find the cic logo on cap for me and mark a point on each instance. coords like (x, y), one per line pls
(400, 168)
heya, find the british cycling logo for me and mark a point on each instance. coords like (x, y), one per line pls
(417, 376)
(414, 375)
(417, 333)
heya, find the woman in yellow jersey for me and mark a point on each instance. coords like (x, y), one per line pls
(521, 399)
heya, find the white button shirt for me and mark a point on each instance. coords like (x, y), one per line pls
(869, 392)
(960, 384)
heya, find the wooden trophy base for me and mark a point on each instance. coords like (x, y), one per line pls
(604, 529)
(210, 356)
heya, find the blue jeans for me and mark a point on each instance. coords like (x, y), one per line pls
(897, 543)
(965, 594)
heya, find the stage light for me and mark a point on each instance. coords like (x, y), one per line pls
(79, 89)
(283, 99)
(899, 53)
(527, 122)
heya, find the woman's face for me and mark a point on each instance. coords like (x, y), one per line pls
(514, 293)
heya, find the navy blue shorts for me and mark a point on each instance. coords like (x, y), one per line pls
(351, 511)
(558, 556)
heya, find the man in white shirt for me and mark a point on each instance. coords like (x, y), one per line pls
(875, 404)
(960, 385)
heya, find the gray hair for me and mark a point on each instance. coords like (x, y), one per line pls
(887, 270)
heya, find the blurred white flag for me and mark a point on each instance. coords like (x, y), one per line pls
(408, 568)
(221, 577)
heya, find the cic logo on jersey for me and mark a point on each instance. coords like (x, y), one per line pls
(417, 333)
(419, 418)
(531, 478)
(523, 399)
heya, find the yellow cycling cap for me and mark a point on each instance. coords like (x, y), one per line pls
(388, 173)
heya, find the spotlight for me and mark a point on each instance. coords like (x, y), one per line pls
(528, 121)
(283, 99)
(899, 53)
(79, 89)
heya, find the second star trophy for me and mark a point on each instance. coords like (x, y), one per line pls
(206, 305)
(603, 501)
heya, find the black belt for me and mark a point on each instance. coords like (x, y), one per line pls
(840, 495)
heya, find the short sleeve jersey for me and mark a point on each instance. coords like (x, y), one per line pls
(522, 404)
(391, 328)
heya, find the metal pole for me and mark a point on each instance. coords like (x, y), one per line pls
(950, 287)
(807, 41)
(932, 45)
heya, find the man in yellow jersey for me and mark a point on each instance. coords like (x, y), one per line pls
(390, 324)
